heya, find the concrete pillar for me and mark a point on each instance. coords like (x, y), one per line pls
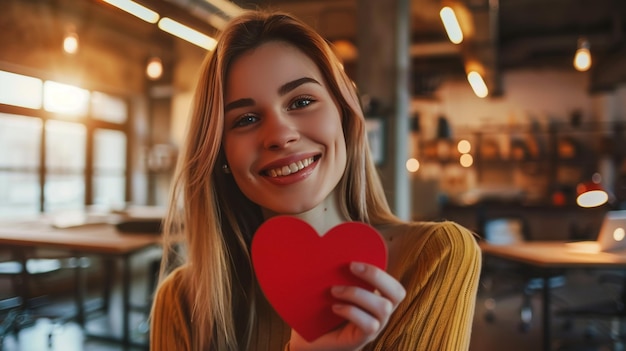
(605, 113)
(383, 74)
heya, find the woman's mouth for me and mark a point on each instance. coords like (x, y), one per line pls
(291, 168)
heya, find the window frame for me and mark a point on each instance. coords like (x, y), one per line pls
(91, 124)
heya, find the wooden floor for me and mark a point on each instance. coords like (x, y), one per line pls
(501, 334)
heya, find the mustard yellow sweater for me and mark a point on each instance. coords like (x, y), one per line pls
(437, 263)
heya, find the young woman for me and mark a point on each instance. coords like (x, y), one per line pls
(276, 128)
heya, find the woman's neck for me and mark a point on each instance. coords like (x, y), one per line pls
(322, 217)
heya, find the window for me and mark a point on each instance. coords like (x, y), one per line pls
(20, 90)
(63, 149)
(20, 153)
(65, 166)
(66, 100)
(108, 108)
(109, 167)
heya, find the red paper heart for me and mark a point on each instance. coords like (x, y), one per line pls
(296, 268)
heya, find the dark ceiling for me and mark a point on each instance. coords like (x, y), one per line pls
(536, 31)
(507, 34)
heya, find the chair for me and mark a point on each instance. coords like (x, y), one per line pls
(146, 224)
(152, 280)
(608, 312)
(500, 280)
(21, 309)
(9, 313)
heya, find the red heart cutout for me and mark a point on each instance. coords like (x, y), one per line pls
(296, 268)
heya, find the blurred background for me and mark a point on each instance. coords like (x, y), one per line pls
(94, 99)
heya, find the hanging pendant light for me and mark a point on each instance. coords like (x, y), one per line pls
(582, 59)
(154, 68)
(451, 24)
(590, 193)
(70, 41)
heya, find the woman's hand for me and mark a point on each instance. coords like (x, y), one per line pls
(367, 312)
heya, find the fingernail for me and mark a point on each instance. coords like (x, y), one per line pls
(358, 267)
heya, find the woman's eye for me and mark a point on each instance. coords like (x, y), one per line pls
(301, 102)
(245, 120)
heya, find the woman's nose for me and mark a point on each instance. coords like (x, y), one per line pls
(279, 131)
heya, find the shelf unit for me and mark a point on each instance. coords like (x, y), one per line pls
(558, 155)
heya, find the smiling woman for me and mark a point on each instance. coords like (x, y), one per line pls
(289, 120)
(277, 132)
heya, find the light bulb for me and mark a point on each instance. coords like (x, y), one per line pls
(592, 198)
(187, 33)
(464, 146)
(451, 24)
(582, 59)
(478, 84)
(466, 160)
(70, 43)
(135, 9)
(412, 165)
(154, 69)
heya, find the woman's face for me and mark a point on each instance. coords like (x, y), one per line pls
(282, 133)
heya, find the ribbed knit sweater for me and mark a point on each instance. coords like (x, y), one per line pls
(437, 263)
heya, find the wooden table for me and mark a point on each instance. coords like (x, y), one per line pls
(549, 256)
(96, 239)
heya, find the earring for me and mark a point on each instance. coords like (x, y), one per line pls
(225, 168)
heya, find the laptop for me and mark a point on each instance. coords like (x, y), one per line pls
(612, 236)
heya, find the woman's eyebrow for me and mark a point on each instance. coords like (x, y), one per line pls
(284, 89)
(289, 86)
(238, 103)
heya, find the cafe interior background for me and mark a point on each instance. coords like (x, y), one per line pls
(493, 118)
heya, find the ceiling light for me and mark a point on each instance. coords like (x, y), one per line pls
(227, 7)
(191, 35)
(466, 160)
(582, 59)
(135, 9)
(451, 24)
(154, 69)
(478, 84)
(412, 165)
(345, 50)
(70, 42)
(590, 193)
(464, 146)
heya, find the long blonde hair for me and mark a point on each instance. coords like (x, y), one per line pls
(217, 220)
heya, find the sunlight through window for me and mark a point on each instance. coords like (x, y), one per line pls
(19, 90)
(65, 99)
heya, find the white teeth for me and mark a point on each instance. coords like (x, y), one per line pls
(291, 168)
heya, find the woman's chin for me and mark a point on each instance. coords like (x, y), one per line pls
(289, 209)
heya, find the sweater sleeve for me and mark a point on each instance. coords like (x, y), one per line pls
(169, 329)
(440, 269)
